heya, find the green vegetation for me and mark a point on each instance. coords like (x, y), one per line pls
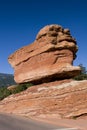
(83, 73)
(21, 87)
(5, 92)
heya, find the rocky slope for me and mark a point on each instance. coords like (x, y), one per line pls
(48, 58)
(62, 99)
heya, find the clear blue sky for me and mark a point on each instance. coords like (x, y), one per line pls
(20, 21)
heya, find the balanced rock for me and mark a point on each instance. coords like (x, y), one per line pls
(49, 57)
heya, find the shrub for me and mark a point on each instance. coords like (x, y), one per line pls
(21, 87)
(4, 92)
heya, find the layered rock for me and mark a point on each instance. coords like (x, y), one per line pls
(48, 58)
(62, 99)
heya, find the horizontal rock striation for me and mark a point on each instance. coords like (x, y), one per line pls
(49, 57)
(65, 99)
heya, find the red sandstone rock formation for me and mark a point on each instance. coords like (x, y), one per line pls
(63, 99)
(48, 58)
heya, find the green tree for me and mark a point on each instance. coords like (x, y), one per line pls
(83, 73)
(83, 69)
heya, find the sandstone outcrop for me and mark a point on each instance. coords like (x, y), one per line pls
(48, 58)
(60, 99)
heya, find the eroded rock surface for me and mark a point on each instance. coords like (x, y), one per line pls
(48, 58)
(62, 99)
